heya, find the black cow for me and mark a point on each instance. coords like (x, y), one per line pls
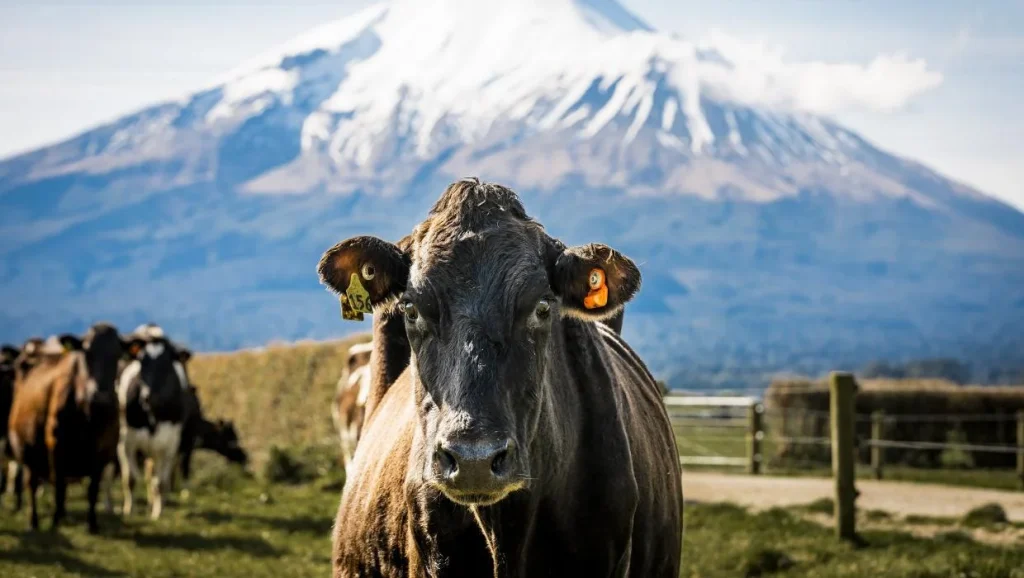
(509, 434)
(200, 433)
(8, 354)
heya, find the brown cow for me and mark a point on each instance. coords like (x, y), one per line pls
(508, 433)
(64, 421)
(350, 397)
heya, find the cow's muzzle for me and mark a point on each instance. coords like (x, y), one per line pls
(478, 471)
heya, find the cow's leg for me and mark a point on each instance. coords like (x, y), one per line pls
(19, 483)
(94, 494)
(163, 465)
(126, 450)
(186, 465)
(3, 472)
(33, 489)
(108, 488)
(60, 491)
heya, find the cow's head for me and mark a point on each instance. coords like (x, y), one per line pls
(160, 368)
(223, 439)
(482, 289)
(358, 356)
(103, 348)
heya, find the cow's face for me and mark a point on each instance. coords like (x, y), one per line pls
(103, 348)
(482, 289)
(161, 370)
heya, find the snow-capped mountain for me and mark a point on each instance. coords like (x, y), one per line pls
(769, 237)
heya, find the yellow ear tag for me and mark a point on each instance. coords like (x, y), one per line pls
(66, 347)
(357, 297)
(346, 312)
(598, 295)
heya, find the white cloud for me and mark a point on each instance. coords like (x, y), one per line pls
(761, 75)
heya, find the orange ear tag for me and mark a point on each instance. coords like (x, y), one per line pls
(598, 296)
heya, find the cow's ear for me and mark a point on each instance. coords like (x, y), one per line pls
(70, 342)
(365, 272)
(594, 281)
(132, 347)
(183, 354)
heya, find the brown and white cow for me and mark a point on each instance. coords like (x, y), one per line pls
(63, 423)
(350, 397)
(508, 432)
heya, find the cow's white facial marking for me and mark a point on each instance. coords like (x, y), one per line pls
(154, 349)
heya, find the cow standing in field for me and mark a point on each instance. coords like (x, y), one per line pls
(151, 391)
(353, 389)
(63, 424)
(508, 434)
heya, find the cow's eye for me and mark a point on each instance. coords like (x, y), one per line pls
(410, 311)
(543, 309)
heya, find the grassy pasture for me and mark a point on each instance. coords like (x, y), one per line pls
(231, 523)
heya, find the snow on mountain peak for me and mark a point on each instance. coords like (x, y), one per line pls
(416, 77)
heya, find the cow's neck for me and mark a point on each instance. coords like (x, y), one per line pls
(390, 356)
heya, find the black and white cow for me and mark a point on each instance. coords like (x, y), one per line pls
(152, 392)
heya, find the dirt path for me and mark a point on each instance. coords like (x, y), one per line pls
(902, 498)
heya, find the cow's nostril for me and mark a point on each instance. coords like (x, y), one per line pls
(446, 462)
(502, 459)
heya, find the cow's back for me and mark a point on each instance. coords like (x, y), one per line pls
(657, 530)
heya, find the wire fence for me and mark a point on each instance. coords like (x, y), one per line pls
(738, 431)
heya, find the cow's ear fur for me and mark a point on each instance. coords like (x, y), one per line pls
(70, 342)
(183, 354)
(594, 281)
(381, 268)
(8, 354)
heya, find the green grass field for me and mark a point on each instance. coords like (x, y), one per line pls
(229, 526)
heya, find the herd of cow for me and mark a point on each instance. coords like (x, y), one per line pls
(87, 406)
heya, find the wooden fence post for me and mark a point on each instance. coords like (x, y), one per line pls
(1020, 447)
(755, 434)
(877, 434)
(842, 390)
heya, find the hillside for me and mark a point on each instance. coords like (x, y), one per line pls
(769, 239)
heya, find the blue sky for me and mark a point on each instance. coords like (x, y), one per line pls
(67, 66)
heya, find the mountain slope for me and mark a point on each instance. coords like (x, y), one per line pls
(769, 239)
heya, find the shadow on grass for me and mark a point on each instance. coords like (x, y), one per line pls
(49, 548)
(298, 524)
(198, 543)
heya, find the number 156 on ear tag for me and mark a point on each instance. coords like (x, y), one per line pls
(355, 301)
